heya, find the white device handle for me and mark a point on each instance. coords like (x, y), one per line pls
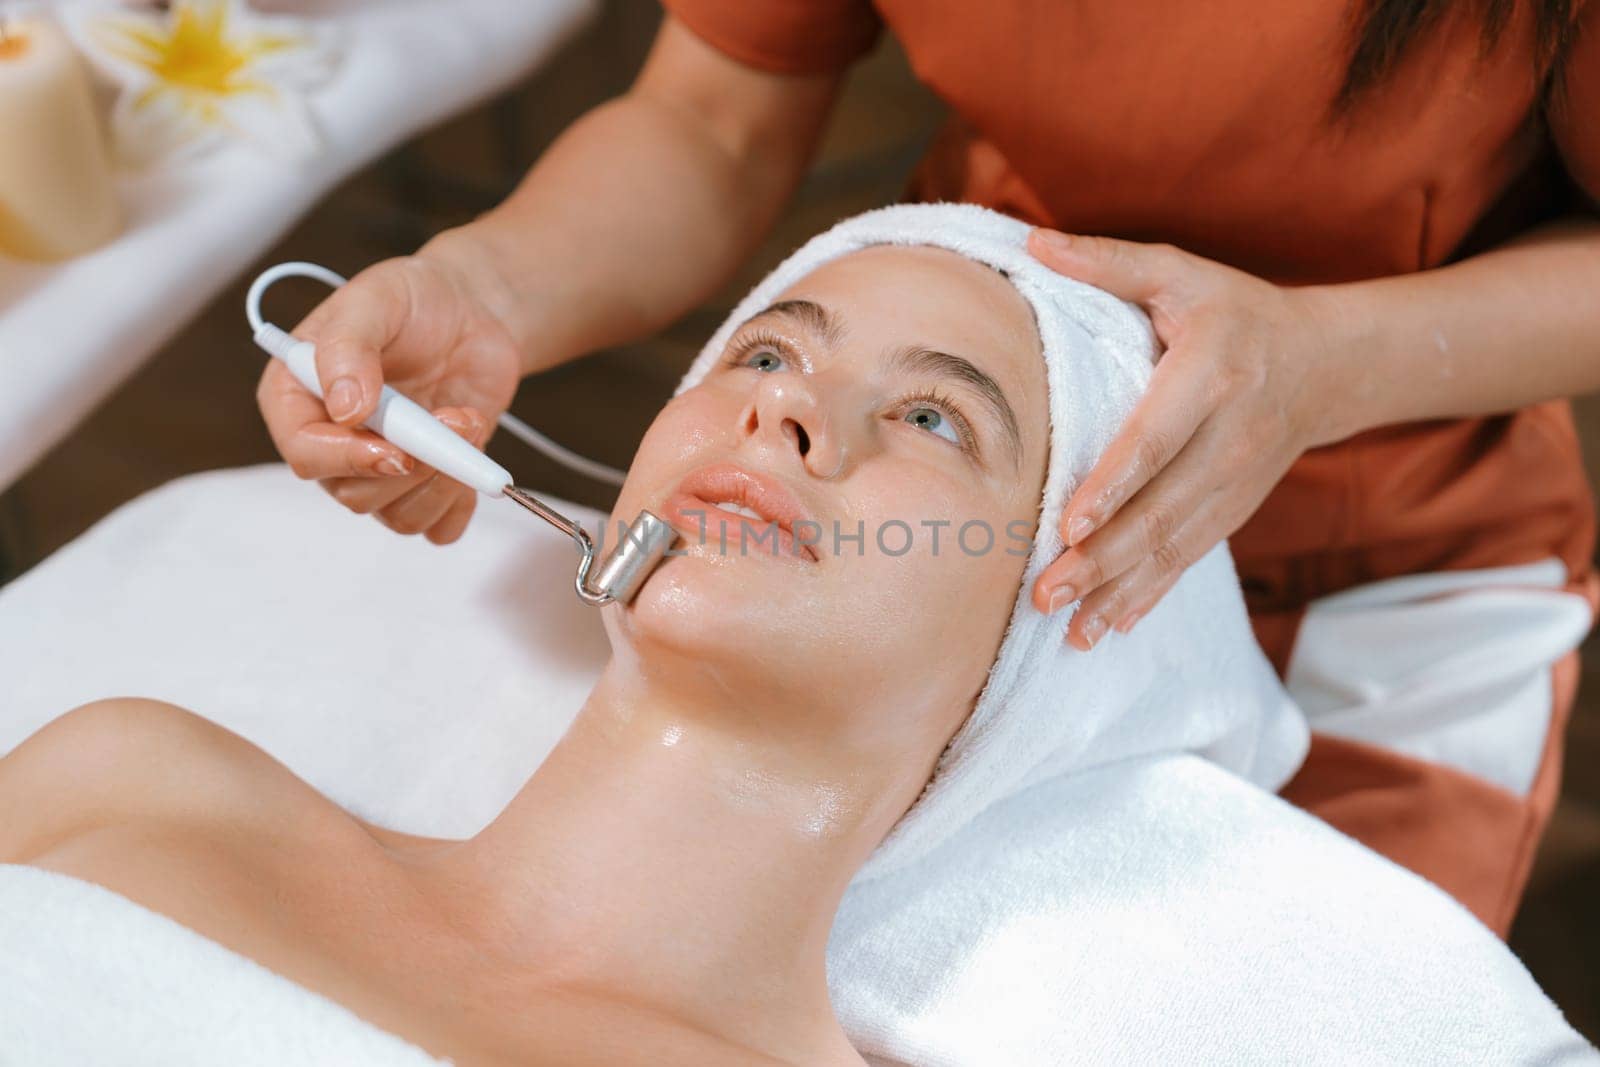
(399, 420)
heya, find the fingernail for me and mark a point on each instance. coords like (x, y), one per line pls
(391, 465)
(1056, 241)
(460, 422)
(1061, 597)
(344, 398)
(1078, 529)
(1093, 629)
(1127, 624)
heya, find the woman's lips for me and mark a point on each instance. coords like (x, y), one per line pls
(701, 508)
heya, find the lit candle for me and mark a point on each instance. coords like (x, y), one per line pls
(56, 193)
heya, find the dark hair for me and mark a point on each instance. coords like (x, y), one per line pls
(1386, 29)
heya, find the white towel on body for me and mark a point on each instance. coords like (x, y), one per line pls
(89, 977)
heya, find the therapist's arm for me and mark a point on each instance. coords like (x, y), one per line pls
(636, 214)
(1254, 374)
(1493, 333)
(647, 204)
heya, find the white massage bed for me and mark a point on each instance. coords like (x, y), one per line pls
(1240, 930)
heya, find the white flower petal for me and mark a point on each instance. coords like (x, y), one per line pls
(152, 123)
(103, 36)
(278, 122)
(312, 61)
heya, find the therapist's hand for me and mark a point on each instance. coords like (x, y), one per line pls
(1233, 402)
(420, 324)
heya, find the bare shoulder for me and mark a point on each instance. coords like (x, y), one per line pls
(128, 758)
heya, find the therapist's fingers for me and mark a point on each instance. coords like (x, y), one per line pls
(454, 523)
(364, 496)
(1120, 603)
(351, 328)
(427, 505)
(1142, 529)
(1161, 279)
(1180, 397)
(313, 446)
(1152, 275)
(419, 509)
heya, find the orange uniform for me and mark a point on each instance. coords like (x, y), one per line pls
(1207, 126)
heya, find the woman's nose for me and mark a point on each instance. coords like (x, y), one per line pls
(788, 414)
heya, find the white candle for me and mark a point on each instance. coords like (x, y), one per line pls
(56, 193)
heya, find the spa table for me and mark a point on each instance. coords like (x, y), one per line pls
(72, 332)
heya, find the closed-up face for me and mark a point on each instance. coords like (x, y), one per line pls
(857, 482)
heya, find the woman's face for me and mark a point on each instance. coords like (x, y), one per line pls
(856, 483)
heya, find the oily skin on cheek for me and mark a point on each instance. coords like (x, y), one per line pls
(955, 606)
(860, 615)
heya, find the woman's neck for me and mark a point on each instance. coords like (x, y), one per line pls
(689, 855)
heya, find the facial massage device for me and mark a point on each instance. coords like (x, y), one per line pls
(410, 427)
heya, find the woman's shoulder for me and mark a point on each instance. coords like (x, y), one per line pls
(130, 760)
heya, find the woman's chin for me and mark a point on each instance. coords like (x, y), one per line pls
(708, 605)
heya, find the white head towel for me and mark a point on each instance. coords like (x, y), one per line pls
(1190, 677)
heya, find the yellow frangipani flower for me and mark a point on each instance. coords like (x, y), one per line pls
(196, 53)
(205, 71)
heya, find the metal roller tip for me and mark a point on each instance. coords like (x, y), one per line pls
(643, 547)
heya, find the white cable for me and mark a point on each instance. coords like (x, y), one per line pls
(561, 454)
(513, 425)
(264, 280)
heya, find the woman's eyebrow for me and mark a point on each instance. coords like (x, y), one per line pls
(810, 314)
(915, 359)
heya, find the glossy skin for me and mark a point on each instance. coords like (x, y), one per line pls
(662, 888)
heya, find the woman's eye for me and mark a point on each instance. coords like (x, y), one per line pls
(933, 420)
(764, 361)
